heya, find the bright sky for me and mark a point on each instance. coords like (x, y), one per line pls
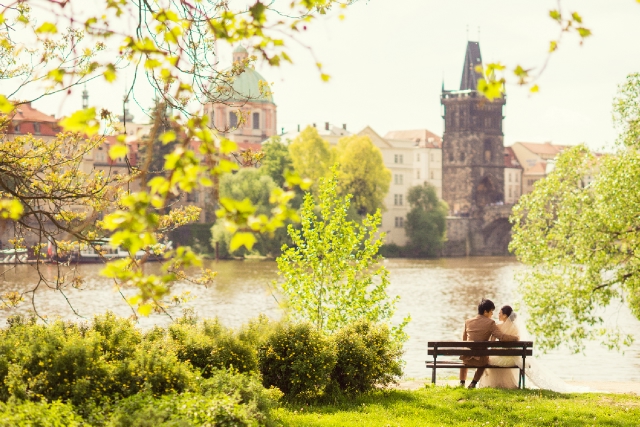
(388, 58)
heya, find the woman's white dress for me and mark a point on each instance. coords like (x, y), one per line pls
(536, 374)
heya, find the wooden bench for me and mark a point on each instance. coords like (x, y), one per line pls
(478, 348)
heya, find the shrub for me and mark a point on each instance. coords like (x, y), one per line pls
(297, 359)
(40, 414)
(153, 367)
(181, 410)
(246, 389)
(120, 336)
(210, 346)
(367, 356)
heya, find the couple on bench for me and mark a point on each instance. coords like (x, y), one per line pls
(484, 328)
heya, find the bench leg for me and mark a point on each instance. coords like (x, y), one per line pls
(433, 374)
(519, 378)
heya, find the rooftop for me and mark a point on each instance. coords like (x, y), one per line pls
(26, 113)
(510, 160)
(423, 137)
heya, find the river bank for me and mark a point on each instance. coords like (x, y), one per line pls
(438, 294)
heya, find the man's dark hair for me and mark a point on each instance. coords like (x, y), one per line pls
(507, 310)
(486, 305)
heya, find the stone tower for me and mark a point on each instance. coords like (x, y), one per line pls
(472, 146)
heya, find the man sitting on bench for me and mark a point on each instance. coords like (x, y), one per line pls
(481, 328)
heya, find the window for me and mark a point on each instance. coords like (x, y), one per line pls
(509, 176)
(256, 120)
(36, 128)
(487, 151)
(516, 177)
(16, 128)
(399, 222)
(398, 179)
(432, 157)
(462, 157)
(487, 122)
(509, 191)
(398, 159)
(397, 199)
(418, 157)
(192, 197)
(432, 175)
(212, 119)
(418, 174)
(530, 182)
(451, 157)
(233, 119)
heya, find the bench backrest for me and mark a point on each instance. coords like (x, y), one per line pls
(480, 348)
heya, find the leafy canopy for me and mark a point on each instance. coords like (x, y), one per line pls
(582, 239)
(361, 172)
(174, 46)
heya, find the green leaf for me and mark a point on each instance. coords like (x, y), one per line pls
(47, 28)
(534, 89)
(227, 146)
(325, 77)
(168, 137)
(553, 46)
(242, 239)
(145, 309)
(117, 151)
(110, 73)
(583, 32)
(555, 15)
(82, 121)
(6, 106)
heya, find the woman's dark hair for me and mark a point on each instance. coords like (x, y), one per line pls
(485, 305)
(507, 310)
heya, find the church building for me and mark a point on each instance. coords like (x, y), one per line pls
(243, 109)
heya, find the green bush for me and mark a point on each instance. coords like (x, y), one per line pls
(181, 410)
(209, 346)
(298, 360)
(367, 357)
(40, 414)
(120, 336)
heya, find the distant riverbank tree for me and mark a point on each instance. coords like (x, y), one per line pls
(426, 222)
(582, 237)
(362, 173)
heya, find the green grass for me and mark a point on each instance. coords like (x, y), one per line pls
(445, 406)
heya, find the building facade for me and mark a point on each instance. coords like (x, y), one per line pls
(512, 177)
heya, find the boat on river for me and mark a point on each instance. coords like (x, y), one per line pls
(101, 250)
(14, 256)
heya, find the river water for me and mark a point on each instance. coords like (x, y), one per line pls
(439, 295)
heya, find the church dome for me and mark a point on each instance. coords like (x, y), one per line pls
(246, 88)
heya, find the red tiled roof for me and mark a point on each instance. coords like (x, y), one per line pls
(544, 148)
(430, 139)
(510, 160)
(26, 113)
(539, 168)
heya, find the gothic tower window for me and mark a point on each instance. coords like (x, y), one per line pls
(462, 156)
(487, 151)
(256, 120)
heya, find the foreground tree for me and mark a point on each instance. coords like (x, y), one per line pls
(582, 241)
(426, 221)
(331, 274)
(173, 44)
(361, 172)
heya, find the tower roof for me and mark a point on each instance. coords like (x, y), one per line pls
(239, 49)
(472, 59)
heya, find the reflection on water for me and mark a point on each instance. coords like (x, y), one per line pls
(439, 295)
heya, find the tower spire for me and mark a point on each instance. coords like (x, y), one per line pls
(85, 98)
(472, 59)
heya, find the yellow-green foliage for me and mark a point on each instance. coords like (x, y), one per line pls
(298, 359)
(367, 356)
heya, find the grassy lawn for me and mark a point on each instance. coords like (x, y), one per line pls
(444, 406)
